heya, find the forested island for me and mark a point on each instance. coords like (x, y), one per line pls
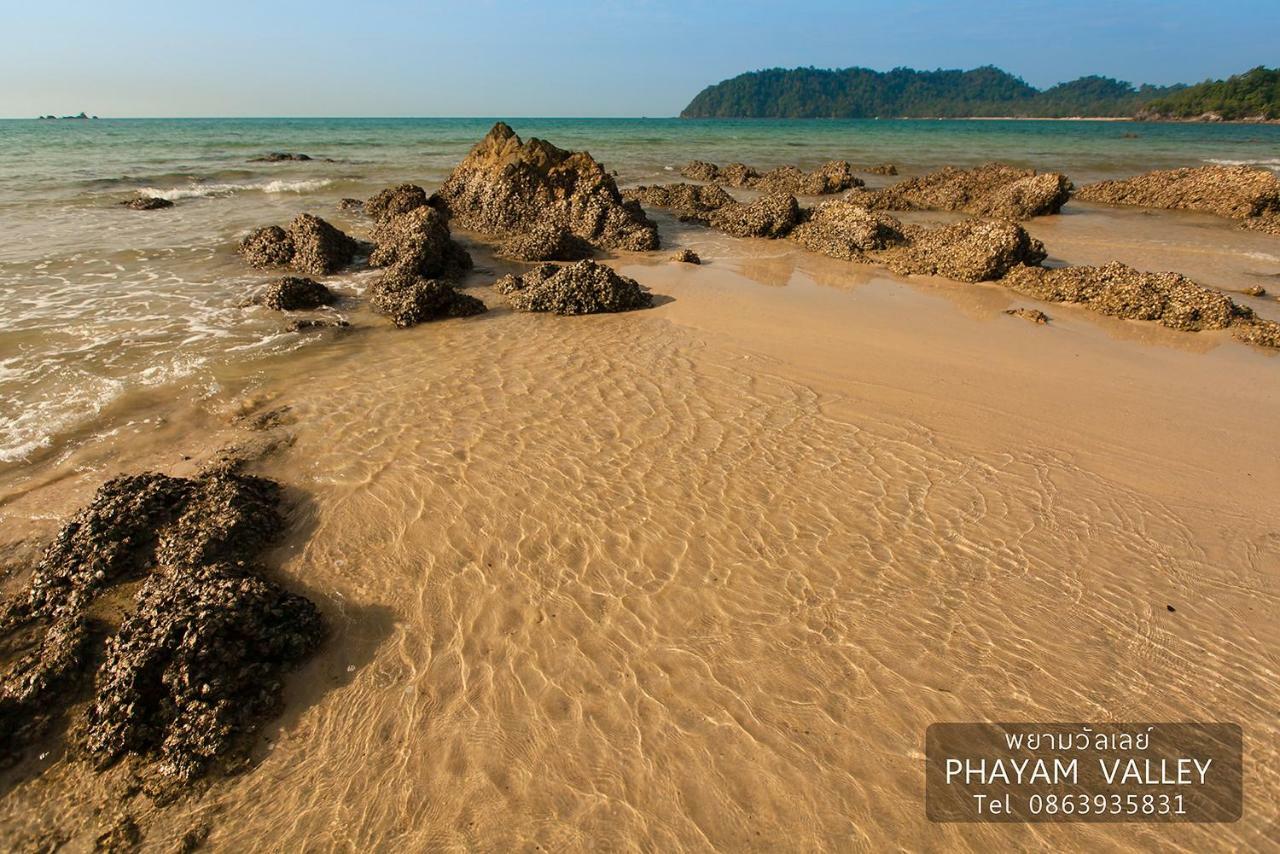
(980, 92)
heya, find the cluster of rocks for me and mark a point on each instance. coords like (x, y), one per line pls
(507, 187)
(582, 288)
(835, 176)
(691, 202)
(1236, 192)
(309, 245)
(195, 662)
(146, 203)
(1170, 299)
(991, 190)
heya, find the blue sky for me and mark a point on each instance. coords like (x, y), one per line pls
(570, 58)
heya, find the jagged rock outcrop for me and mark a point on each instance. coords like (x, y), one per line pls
(1236, 192)
(417, 242)
(394, 201)
(409, 299)
(1121, 291)
(690, 201)
(547, 241)
(969, 251)
(771, 215)
(195, 663)
(686, 256)
(842, 229)
(832, 177)
(310, 245)
(582, 288)
(506, 186)
(294, 293)
(993, 190)
(146, 203)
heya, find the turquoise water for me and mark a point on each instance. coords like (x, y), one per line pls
(97, 302)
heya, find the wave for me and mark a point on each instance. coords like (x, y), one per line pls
(1272, 163)
(227, 189)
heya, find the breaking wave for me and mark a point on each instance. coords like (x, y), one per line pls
(227, 189)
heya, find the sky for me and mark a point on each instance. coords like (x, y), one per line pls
(571, 58)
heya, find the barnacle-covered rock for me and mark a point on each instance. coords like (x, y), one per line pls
(506, 186)
(582, 288)
(146, 203)
(268, 247)
(409, 299)
(686, 256)
(318, 247)
(992, 189)
(1230, 191)
(394, 201)
(691, 201)
(969, 251)
(418, 242)
(772, 215)
(842, 229)
(547, 241)
(294, 293)
(832, 177)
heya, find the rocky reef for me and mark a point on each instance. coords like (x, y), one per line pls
(409, 299)
(832, 177)
(689, 201)
(146, 203)
(1236, 192)
(310, 245)
(992, 190)
(973, 250)
(195, 661)
(506, 187)
(294, 293)
(582, 288)
(842, 229)
(772, 215)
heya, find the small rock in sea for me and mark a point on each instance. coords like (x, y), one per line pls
(582, 288)
(548, 241)
(1255, 291)
(1237, 192)
(294, 293)
(771, 216)
(686, 256)
(506, 186)
(394, 201)
(351, 206)
(311, 245)
(973, 250)
(280, 157)
(882, 169)
(308, 324)
(147, 203)
(1034, 315)
(409, 299)
(267, 247)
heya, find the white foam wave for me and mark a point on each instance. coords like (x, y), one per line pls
(208, 190)
(1272, 163)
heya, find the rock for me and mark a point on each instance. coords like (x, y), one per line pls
(311, 245)
(268, 247)
(832, 177)
(196, 663)
(280, 157)
(737, 175)
(1264, 333)
(310, 323)
(1237, 192)
(506, 187)
(409, 299)
(1267, 223)
(292, 293)
(547, 241)
(1255, 291)
(1034, 315)
(394, 201)
(355, 206)
(768, 216)
(146, 203)
(691, 201)
(582, 288)
(319, 248)
(842, 229)
(1121, 291)
(700, 170)
(992, 189)
(882, 169)
(418, 243)
(686, 256)
(968, 251)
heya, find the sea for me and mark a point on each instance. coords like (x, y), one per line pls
(98, 302)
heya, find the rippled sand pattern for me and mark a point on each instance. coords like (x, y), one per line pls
(601, 585)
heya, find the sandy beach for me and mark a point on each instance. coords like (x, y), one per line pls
(697, 577)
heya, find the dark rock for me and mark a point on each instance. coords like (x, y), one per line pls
(547, 242)
(841, 229)
(319, 248)
(582, 288)
(968, 251)
(351, 206)
(292, 293)
(311, 323)
(418, 243)
(268, 247)
(1230, 191)
(409, 299)
(147, 203)
(1255, 291)
(768, 216)
(394, 201)
(686, 256)
(280, 157)
(507, 187)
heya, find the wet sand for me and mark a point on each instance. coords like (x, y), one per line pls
(698, 577)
